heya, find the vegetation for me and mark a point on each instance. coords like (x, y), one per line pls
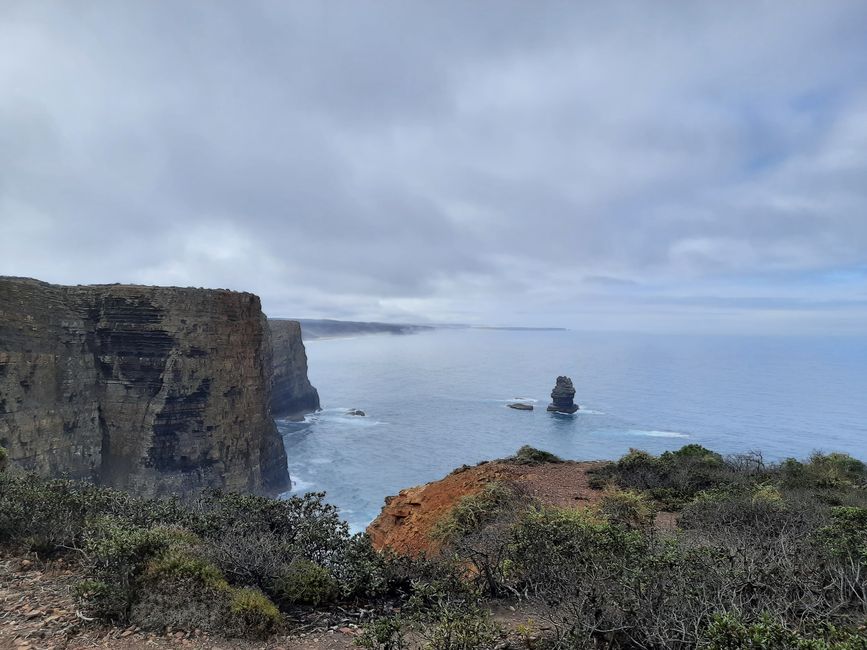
(528, 455)
(763, 555)
(221, 562)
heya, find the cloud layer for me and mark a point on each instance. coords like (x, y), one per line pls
(692, 166)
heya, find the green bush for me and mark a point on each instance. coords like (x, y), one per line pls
(4, 459)
(252, 614)
(384, 633)
(528, 455)
(118, 558)
(304, 583)
(628, 508)
(474, 511)
(459, 628)
(730, 632)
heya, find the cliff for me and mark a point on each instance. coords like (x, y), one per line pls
(291, 391)
(152, 389)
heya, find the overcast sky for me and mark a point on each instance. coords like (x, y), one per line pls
(678, 166)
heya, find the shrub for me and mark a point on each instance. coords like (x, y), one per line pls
(253, 614)
(118, 555)
(731, 632)
(4, 459)
(675, 477)
(477, 532)
(384, 633)
(528, 455)
(460, 628)
(304, 582)
(627, 508)
(474, 511)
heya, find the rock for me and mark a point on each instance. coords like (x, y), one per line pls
(563, 396)
(358, 412)
(291, 391)
(156, 390)
(521, 406)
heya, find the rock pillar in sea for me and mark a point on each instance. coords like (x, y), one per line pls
(563, 397)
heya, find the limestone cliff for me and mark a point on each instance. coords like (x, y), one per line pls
(291, 392)
(152, 389)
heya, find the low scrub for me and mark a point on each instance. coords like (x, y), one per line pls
(765, 556)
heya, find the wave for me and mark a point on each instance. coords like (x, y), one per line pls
(585, 411)
(300, 486)
(341, 415)
(660, 434)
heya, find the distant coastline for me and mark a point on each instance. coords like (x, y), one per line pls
(317, 329)
(325, 328)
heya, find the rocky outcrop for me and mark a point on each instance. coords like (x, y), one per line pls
(152, 389)
(521, 406)
(407, 520)
(291, 391)
(563, 396)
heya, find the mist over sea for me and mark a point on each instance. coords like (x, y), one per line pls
(437, 400)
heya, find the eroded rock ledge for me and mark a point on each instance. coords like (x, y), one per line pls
(152, 389)
(408, 519)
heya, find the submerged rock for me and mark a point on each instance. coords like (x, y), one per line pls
(357, 412)
(520, 406)
(563, 396)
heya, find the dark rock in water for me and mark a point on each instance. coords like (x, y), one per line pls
(563, 397)
(520, 406)
(358, 412)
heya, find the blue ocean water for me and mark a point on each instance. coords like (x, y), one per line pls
(437, 400)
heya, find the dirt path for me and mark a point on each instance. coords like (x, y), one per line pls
(38, 612)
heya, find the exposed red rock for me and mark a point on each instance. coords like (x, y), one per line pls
(406, 520)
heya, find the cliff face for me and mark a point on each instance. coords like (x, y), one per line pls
(291, 391)
(151, 389)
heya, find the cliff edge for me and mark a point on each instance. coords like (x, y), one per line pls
(156, 390)
(407, 520)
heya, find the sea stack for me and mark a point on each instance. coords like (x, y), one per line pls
(563, 397)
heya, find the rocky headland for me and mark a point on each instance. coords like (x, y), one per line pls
(408, 519)
(155, 390)
(291, 391)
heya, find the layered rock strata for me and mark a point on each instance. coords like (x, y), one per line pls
(156, 390)
(563, 396)
(291, 391)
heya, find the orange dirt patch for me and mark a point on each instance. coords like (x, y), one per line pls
(406, 521)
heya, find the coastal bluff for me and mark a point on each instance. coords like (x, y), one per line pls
(291, 391)
(156, 390)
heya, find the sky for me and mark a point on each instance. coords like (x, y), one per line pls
(667, 167)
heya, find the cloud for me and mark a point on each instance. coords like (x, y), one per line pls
(485, 162)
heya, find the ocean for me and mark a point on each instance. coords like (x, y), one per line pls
(437, 400)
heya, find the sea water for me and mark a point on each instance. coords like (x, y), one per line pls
(438, 400)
